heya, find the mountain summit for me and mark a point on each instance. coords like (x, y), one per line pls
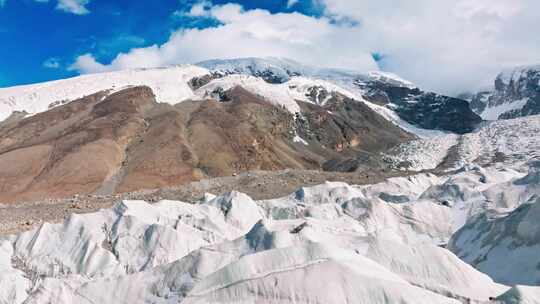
(516, 93)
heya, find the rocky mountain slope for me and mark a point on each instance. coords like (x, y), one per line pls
(124, 141)
(172, 85)
(516, 93)
(149, 128)
(427, 110)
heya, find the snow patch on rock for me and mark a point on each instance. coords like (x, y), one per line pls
(170, 85)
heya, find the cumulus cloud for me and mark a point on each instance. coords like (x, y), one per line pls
(52, 63)
(447, 46)
(87, 64)
(200, 9)
(77, 7)
(245, 33)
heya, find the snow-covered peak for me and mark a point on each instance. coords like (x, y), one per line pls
(316, 90)
(359, 85)
(282, 82)
(283, 95)
(280, 70)
(516, 93)
(274, 70)
(170, 85)
(272, 93)
(514, 74)
(389, 78)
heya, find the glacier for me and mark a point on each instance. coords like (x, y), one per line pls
(331, 243)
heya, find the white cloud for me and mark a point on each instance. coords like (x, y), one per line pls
(447, 46)
(87, 64)
(200, 9)
(77, 7)
(291, 3)
(242, 34)
(52, 63)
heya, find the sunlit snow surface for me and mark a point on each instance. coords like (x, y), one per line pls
(331, 243)
(505, 242)
(170, 85)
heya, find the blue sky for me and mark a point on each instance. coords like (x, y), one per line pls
(447, 46)
(40, 41)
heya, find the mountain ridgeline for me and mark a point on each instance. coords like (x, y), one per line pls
(516, 93)
(126, 141)
(151, 128)
(427, 110)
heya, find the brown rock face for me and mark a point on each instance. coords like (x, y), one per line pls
(72, 148)
(104, 144)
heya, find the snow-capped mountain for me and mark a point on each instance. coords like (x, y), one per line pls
(173, 85)
(425, 109)
(271, 70)
(107, 119)
(170, 85)
(126, 140)
(281, 70)
(279, 77)
(516, 93)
